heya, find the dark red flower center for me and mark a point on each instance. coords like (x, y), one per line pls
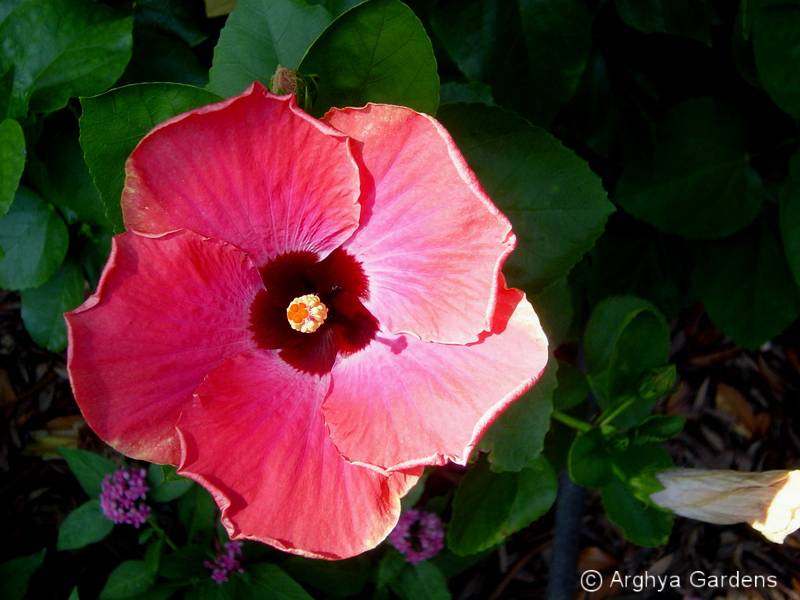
(340, 284)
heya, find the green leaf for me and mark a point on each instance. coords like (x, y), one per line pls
(558, 35)
(64, 179)
(6, 88)
(341, 579)
(163, 489)
(85, 525)
(92, 249)
(16, 573)
(423, 581)
(776, 39)
(742, 50)
(634, 259)
(452, 91)
(554, 307)
(626, 338)
(113, 123)
(688, 18)
(174, 17)
(210, 590)
(130, 578)
(73, 595)
(162, 591)
(658, 382)
(589, 461)
(640, 520)
(158, 57)
(470, 32)
(790, 216)
(572, 387)
(389, 567)
(62, 50)
(6, 6)
(556, 204)
(89, 469)
(265, 580)
(375, 52)
(451, 564)
(516, 438)
(700, 184)
(484, 39)
(153, 554)
(607, 320)
(641, 347)
(43, 307)
(12, 161)
(489, 506)
(413, 495)
(336, 7)
(658, 428)
(170, 473)
(198, 513)
(258, 36)
(747, 286)
(184, 563)
(35, 241)
(643, 525)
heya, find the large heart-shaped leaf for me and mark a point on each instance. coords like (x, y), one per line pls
(516, 438)
(61, 50)
(776, 40)
(489, 506)
(375, 52)
(35, 240)
(113, 123)
(85, 525)
(747, 286)
(688, 18)
(699, 184)
(258, 36)
(556, 204)
(43, 307)
(12, 161)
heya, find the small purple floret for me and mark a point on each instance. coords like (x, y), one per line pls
(226, 562)
(119, 494)
(419, 535)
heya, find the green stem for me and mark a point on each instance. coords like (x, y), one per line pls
(161, 533)
(570, 421)
(616, 412)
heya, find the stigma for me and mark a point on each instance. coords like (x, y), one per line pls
(306, 313)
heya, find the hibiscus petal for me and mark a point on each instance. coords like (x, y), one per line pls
(254, 436)
(254, 170)
(167, 310)
(426, 403)
(430, 241)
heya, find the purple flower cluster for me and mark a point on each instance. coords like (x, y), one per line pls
(226, 562)
(419, 535)
(119, 495)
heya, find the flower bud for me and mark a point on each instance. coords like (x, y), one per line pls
(284, 81)
(769, 502)
(289, 81)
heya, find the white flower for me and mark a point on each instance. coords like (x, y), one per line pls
(769, 502)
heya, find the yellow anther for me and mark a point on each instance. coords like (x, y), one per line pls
(306, 313)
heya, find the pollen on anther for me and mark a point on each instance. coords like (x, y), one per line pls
(306, 313)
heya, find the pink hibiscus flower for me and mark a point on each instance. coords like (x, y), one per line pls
(302, 315)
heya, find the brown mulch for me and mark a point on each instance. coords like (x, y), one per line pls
(741, 410)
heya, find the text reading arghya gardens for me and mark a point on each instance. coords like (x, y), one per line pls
(697, 579)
